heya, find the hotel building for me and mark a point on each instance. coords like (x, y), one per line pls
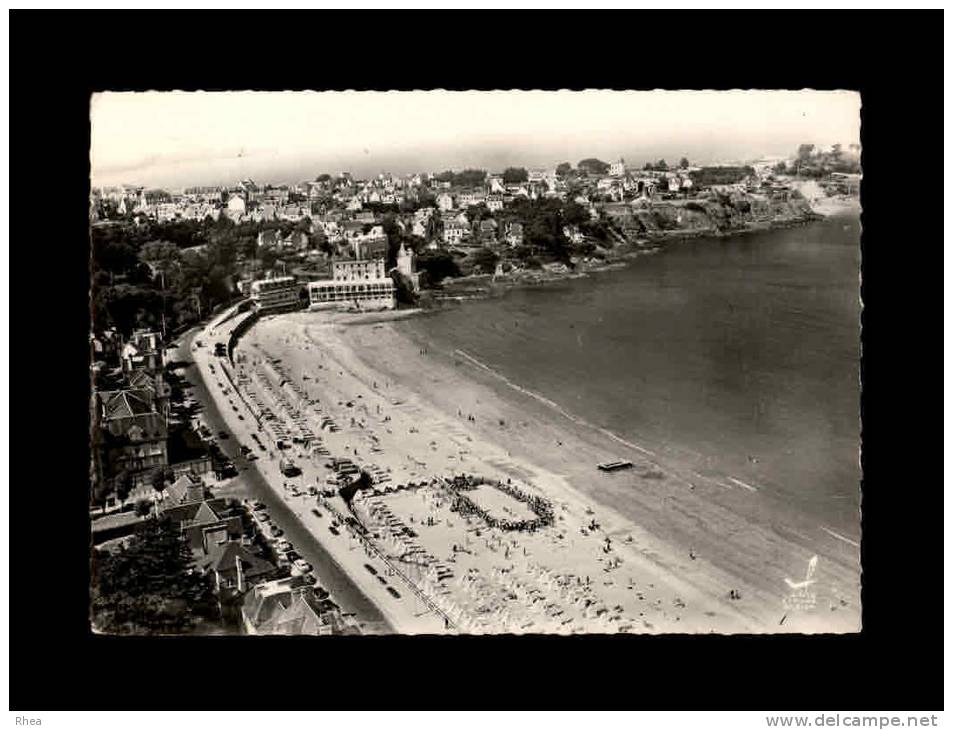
(361, 285)
(273, 294)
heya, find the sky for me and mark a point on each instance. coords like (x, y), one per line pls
(178, 139)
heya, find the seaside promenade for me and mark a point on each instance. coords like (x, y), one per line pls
(340, 560)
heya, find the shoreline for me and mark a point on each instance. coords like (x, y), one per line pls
(698, 538)
(462, 288)
(663, 519)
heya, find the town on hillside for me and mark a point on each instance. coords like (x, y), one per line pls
(176, 255)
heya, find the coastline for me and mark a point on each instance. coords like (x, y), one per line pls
(476, 286)
(692, 540)
(694, 536)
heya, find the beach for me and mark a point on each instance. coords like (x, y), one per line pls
(685, 544)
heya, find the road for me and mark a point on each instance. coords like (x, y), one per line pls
(250, 484)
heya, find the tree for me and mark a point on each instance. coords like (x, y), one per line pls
(143, 508)
(394, 237)
(113, 252)
(469, 178)
(425, 198)
(563, 169)
(323, 177)
(684, 163)
(477, 213)
(805, 152)
(575, 214)
(325, 246)
(725, 175)
(269, 257)
(159, 253)
(159, 477)
(101, 491)
(483, 259)
(593, 166)
(437, 265)
(512, 175)
(404, 288)
(122, 483)
(151, 585)
(661, 165)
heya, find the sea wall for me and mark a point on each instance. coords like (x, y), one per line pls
(240, 329)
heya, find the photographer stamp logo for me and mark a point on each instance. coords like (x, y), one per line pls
(802, 597)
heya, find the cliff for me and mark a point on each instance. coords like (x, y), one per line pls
(718, 214)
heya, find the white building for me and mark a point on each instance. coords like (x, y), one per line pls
(494, 203)
(454, 231)
(445, 201)
(471, 198)
(236, 205)
(273, 294)
(617, 169)
(362, 285)
(407, 266)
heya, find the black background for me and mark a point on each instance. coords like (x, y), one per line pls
(895, 59)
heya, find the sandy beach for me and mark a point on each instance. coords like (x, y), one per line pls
(657, 549)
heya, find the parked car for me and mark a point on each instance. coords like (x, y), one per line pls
(223, 434)
(302, 565)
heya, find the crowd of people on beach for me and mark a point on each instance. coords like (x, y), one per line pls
(466, 507)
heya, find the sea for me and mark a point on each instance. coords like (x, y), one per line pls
(741, 354)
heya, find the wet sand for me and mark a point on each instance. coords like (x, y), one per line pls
(699, 541)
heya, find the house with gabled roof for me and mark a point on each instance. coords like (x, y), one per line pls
(187, 488)
(194, 519)
(155, 384)
(234, 565)
(291, 607)
(133, 433)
